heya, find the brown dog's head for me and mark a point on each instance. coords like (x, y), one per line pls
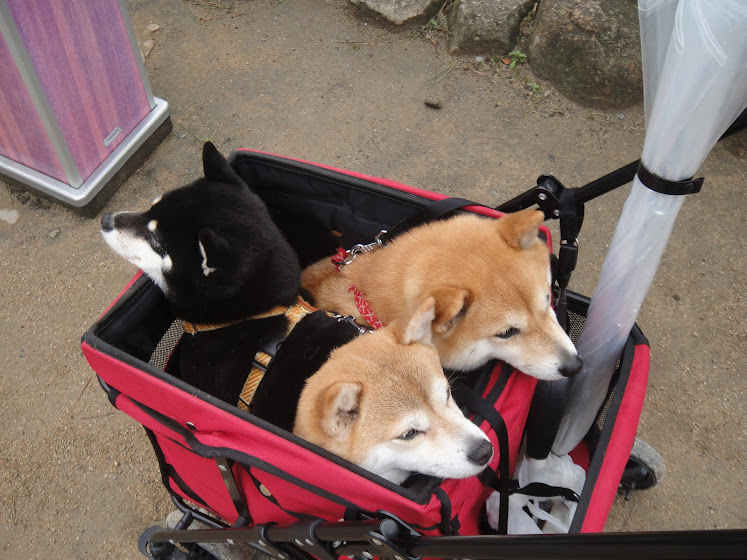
(490, 281)
(383, 402)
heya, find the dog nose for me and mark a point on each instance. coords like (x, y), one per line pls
(481, 454)
(572, 368)
(107, 221)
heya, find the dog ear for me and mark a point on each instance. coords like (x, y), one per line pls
(418, 328)
(451, 306)
(519, 229)
(216, 167)
(214, 251)
(341, 408)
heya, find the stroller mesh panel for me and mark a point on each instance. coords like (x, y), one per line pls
(165, 347)
(575, 325)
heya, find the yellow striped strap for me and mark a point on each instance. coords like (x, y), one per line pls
(294, 314)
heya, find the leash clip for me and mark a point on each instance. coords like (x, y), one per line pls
(346, 257)
(349, 319)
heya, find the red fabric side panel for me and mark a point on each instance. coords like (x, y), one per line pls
(312, 470)
(146, 389)
(580, 455)
(201, 476)
(621, 442)
(285, 498)
(215, 427)
(468, 496)
(126, 405)
(513, 405)
(263, 509)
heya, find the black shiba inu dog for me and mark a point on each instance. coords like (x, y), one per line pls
(229, 274)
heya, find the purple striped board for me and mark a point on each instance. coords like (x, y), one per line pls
(22, 135)
(83, 57)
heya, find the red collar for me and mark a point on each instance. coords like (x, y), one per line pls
(342, 258)
(365, 309)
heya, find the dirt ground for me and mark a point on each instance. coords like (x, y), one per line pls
(313, 80)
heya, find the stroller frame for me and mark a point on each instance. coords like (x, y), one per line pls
(393, 539)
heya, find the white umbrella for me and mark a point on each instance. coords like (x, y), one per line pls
(695, 86)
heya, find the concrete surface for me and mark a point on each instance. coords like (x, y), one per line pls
(312, 80)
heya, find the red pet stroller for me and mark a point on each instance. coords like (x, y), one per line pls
(246, 481)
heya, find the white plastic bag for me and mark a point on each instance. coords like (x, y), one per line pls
(555, 513)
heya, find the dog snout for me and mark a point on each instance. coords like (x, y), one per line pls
(572, 367)
(481, 453)
(107, 222)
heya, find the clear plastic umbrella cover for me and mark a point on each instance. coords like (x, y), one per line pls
(695, 86)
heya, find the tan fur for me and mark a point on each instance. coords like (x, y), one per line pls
(379, 386)
(485, 276)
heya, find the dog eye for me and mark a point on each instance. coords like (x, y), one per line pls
(508, 333)
(154, 240)
(409, 434)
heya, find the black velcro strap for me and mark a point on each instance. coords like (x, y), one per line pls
(571, 220)
(541, 490)
(571, 214)
(664, 186)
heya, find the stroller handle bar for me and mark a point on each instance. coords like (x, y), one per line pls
(594, 189)
(388, 538)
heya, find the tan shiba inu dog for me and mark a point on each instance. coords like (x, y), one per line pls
(490, 282)
(383, 402)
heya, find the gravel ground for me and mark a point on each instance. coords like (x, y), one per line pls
(314, 81)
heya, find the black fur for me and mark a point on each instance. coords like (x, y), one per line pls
(253, 268)
(256, 268)
(219, 361)
(304, 351)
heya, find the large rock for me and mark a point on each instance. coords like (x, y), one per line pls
(486, 26)
(401, 11)
(589, 49)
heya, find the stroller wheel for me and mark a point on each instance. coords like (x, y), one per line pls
(154, 550)
(645, 469)
(167, 551)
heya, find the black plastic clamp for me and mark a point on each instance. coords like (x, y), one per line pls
(387, 539)
(308, 541)
(567, 259)
(275, 549)
(546, 195)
